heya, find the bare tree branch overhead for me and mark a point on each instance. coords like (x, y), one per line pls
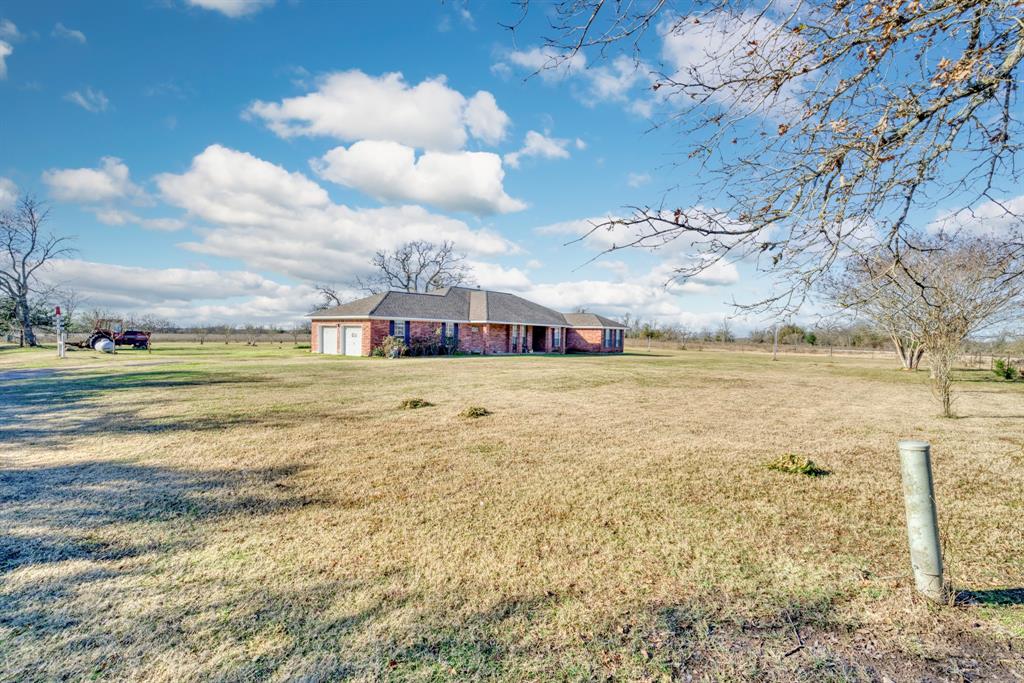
(26, 248)
(817, 129)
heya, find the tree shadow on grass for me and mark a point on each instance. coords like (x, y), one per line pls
(60, 513)
(77, 537)
(44, 409)
(995, 596)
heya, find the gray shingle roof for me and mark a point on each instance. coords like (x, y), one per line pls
(590, 320)
(363, 306)
(451, 303)
(509, 308)
(462, 304)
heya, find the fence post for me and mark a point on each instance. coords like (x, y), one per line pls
(922, 521)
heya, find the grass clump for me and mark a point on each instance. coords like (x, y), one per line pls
(475, 411)
(791, 463)
(413, 404)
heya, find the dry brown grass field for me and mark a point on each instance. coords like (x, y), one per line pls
(203, 513)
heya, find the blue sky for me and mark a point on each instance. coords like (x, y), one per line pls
(215, 158)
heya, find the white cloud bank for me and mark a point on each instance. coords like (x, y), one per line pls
(390, 172)
(275, 220)
(352, 105)
(110, 181)
(184, 295)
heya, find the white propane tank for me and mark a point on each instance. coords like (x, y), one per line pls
(104, 345)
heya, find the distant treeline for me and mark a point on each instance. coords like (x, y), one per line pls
(849, 335)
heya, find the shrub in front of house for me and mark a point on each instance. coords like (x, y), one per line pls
(391, 347)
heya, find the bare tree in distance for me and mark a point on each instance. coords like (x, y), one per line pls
(817, 128)
(417, 266)
(26, 248)
(949, 289)
(869, 288)
(70, 302)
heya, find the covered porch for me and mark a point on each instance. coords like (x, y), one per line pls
(535, 339)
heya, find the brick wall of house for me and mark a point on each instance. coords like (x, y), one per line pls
(420, 329)
(367, 326)
(483, 338)
(487, 339)
(588, 340)
(378, 330)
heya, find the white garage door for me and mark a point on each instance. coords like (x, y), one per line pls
(353, 341)
(329, 340)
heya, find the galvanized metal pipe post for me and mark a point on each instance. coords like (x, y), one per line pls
(922, 521)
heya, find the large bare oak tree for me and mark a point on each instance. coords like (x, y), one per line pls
(417, 266)
(26, 248)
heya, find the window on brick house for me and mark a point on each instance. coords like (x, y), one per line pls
(556, 337)
(400, 329)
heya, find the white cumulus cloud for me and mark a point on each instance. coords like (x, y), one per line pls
(638, 179)
(539, 145)
(485, 119)
(110, 181)
(593, 236)
(716, 50)
(618, 80)
(5, 51)
(390, 172)
(352, 105)
(281, 221)
(8, 193)
(9, 31)
(496, 277)
(232, 8)
(549, 64)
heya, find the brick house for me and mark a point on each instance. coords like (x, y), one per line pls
(480, 321)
